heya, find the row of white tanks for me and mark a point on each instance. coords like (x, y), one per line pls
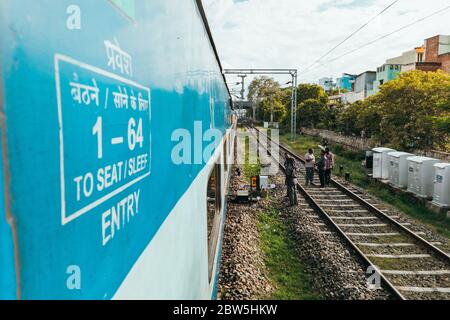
(423, 176)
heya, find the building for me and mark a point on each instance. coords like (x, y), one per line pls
(407, 57)
(364, 83)
(336, 99)
(437, 50)
(362, 87)
(327, 84)
(432, 56)
(420, 62)
(347, 82)
(385, 73)
(394, 66)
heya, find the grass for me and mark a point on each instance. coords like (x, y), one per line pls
(351, 161)
(250, 170)
(284, 268)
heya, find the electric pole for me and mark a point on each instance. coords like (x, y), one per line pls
(242, 76)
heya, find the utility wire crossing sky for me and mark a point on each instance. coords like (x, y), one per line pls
(354, 35)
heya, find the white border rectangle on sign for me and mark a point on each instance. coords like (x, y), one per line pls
(68, 218)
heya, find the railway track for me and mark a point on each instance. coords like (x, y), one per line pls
(407, 265)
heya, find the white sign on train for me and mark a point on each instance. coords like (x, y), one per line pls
(105, 137)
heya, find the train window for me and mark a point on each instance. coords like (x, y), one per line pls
(126, 6)
(214, 203)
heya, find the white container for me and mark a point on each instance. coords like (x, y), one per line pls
(264, 182)
(398, 168)
(421, 176)
(441, 195)
(381, 163)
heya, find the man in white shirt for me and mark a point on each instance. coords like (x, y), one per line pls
(309, 165)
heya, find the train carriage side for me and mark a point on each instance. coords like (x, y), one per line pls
(115, 126)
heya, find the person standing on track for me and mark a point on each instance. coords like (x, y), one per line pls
(310, 162)
(329, 164)
(291, 181)
(321, 167)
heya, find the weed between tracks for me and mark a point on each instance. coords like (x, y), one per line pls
(250, 170)
(352, 164)
(285, 270)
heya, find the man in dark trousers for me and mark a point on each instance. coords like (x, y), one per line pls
(329, 165)
(291, 181)
(321, 167)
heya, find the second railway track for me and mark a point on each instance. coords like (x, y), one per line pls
(409, 266)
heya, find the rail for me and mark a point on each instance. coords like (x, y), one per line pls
(442, 256)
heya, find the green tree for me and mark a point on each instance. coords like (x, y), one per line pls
(262, 87)
(311, 106)
(442, 122)
(268, 106)
(368, 119)
(307, 91)
(334, 92)
(310, 113)
(269, 97)
(347, 121)
(412, 111)
(285, 97)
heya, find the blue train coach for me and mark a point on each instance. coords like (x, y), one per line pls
(116, 126)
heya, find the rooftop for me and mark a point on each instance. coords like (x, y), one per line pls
(369, 71)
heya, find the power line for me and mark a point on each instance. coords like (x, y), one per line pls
(391, 33)
(386, 35)
(351, 35)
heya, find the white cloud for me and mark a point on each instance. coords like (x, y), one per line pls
(295, 33)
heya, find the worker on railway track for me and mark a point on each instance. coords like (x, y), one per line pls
(321, 168)
(329, 165)
(291, 180)
(310, 162)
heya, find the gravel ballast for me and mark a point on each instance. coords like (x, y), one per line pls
(336, 272)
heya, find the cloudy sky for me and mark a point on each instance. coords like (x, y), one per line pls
(295, 33)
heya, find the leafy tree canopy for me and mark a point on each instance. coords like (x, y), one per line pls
(413, 110)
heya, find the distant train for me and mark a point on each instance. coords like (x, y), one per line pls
(107, 189)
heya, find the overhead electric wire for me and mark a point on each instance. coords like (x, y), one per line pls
(385, 36)
(351, 35)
